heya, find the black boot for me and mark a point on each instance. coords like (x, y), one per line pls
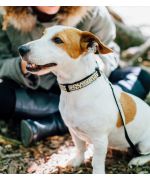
(32, 131)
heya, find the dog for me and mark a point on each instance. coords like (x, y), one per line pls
(88, 109)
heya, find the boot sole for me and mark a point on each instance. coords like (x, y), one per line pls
(26, 133)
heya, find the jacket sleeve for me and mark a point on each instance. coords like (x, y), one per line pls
(10, 66)
(104, 27)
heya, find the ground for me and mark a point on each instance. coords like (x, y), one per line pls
(49, 157)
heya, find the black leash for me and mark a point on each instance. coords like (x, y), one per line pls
(135, 150)
(133, 146)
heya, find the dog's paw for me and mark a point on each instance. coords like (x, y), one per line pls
(138, 161)
(75, 162)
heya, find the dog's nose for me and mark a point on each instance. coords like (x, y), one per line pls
(23, 50)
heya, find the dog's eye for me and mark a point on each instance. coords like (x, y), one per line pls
(57, 40)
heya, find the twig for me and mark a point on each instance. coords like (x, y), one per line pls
(5, 140)
(142, 49)
(8, 156)
(115, 15)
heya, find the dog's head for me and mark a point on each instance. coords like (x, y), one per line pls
(60, 44)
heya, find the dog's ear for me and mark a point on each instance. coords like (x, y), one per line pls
(90, 42)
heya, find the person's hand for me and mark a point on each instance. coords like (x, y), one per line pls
(23, 66)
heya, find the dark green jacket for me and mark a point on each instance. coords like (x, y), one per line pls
(93, 19)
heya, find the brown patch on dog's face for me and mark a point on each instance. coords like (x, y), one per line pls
(70, 42)
(129, 109)
(76, 42)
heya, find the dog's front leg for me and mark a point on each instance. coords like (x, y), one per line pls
(99, 155)
(80, 145)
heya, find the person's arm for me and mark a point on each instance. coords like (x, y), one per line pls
(104, 27)
(12, 67)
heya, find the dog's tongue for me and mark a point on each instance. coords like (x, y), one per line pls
(33, 67)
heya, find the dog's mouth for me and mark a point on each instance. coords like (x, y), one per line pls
(34, 68)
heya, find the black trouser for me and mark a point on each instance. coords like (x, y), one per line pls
(7, 99)
(133, 80)
(17, 102)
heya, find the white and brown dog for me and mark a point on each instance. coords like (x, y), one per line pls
(90, 112)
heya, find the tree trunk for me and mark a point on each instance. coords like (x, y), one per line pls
(128, 36)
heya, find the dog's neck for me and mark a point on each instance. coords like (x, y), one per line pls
(76, 69)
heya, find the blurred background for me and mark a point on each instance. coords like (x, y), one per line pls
(134, 15)
(133, 26)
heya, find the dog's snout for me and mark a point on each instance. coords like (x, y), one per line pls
(23, 50)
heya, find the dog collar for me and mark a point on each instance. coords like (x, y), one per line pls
(82, 83)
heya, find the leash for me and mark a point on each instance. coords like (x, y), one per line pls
(133, 146)
(121, 112)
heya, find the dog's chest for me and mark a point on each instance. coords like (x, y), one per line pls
(74, 117)
(84, 113)
(78, 107)
(74, 111)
